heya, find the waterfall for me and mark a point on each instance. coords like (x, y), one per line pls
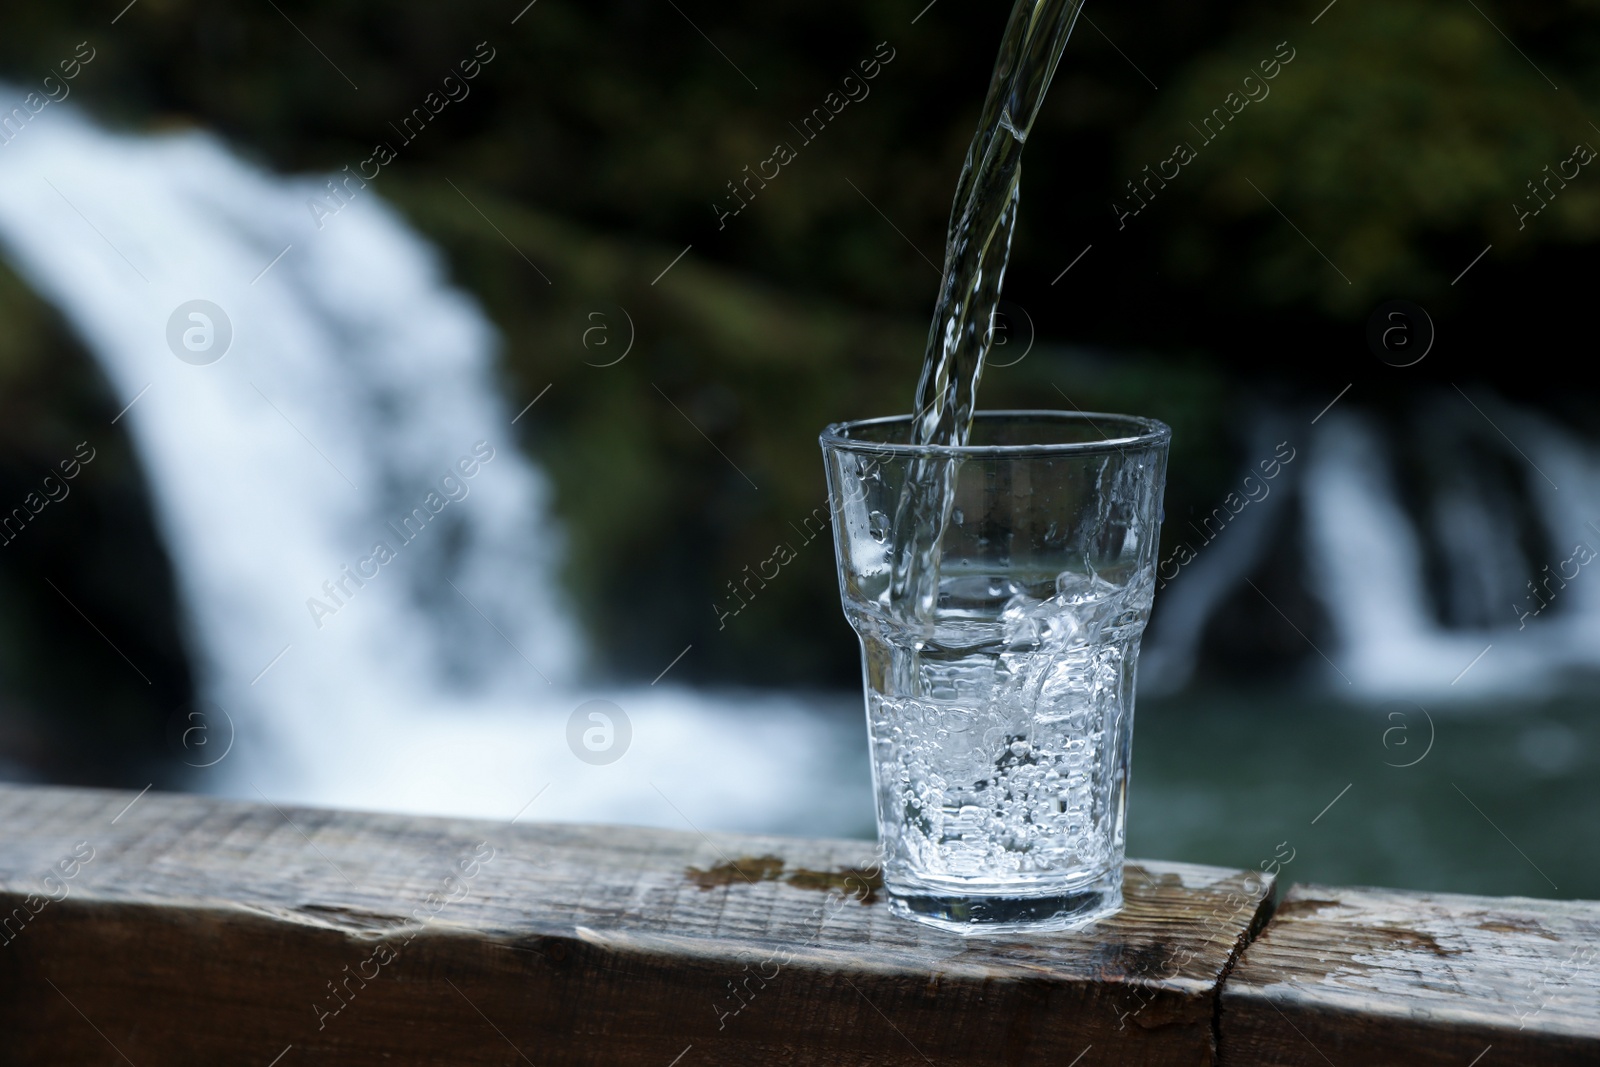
(365, 560)
(1368, 567)
(1367, 557)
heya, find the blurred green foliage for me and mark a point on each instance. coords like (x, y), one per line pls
(1395, 128)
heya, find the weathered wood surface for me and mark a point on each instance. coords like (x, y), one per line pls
(188, 930)
(1355, 977)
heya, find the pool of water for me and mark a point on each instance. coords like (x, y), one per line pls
(1505, 801)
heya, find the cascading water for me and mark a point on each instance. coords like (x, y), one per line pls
(1368, 570)
(1498, 623)
(379, 626)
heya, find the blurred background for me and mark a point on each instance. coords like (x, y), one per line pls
(382, 384)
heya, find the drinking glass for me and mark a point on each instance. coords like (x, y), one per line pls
(1000, 705)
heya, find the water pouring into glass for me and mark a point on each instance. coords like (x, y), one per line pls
(998, 568)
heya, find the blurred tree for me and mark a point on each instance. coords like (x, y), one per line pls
(1399, 140)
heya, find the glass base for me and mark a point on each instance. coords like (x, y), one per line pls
(981, 915)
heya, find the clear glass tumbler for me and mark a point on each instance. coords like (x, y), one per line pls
(1000, 713)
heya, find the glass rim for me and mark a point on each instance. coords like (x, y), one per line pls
(1151, 432)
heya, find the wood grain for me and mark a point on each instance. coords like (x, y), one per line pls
(1379, 976)
(205, 931)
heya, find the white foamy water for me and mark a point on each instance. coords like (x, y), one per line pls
(1498, 623)
(356, 380)
(1367, 567)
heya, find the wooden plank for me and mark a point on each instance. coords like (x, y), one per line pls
(206, 931)
(1380, 976)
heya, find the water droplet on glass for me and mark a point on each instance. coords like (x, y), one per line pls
(878, 526)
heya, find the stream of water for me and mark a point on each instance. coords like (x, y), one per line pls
(983, 218)
(977, 247)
